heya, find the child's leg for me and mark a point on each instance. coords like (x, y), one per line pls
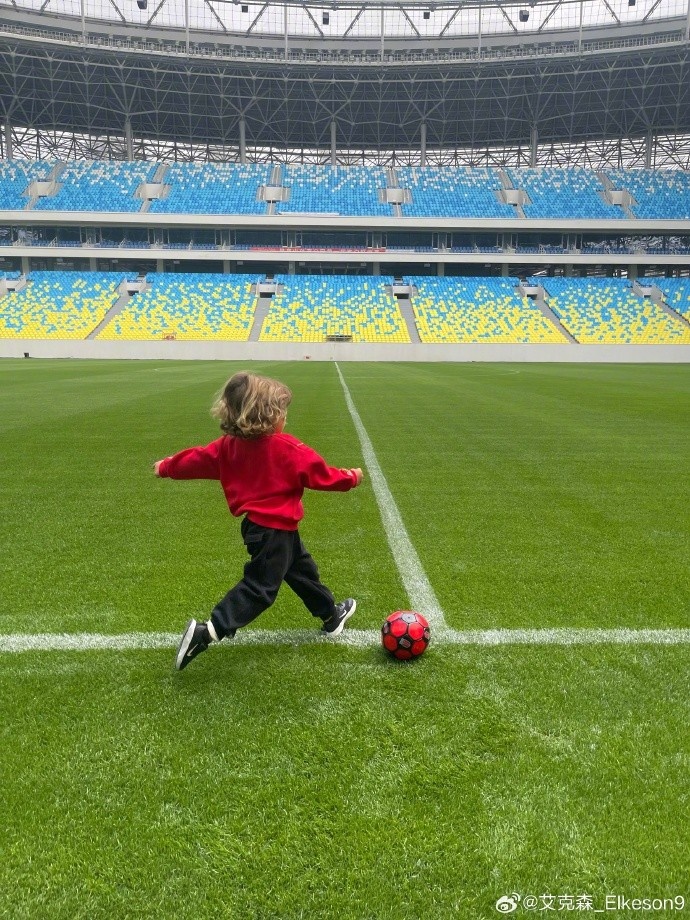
(303, 578)
(271, 555)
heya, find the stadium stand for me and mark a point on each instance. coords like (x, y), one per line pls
(606, 311)
(232, 188)
(488, 310)
(87, 185)
(662, 194)
(15, 178)
(347, 190)
(189, 307)
(312, 308)
(213, 188)
(563, 193)
(452, 192)
(58, 305)
(676, 293)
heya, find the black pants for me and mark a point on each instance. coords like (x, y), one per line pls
(277, 556)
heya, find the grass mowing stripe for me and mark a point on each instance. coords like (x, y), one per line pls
(412, 574)
(358, 638)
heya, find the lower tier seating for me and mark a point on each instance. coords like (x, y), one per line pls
(312, 308)
(488, 310)
(606, 311)
(676, 293)
(189, 307)
(59, 305)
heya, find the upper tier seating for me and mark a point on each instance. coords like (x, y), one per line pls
(452, 192)
(676, 293)
(15, 178)
(101, 185)
(346, 190)
(485, 310)
(662, 194)
(59, 305)
(213, 188)
(564, 193)
(231, 188)
(189, 307)
(606, 311)
(310, 308)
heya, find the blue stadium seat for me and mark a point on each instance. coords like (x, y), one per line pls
(103, 185)
(213, 188)
(562, 193)
(449, 192)
(15, 178)
(347, 190)
(660, 194)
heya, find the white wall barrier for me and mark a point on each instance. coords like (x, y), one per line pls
(341, 351)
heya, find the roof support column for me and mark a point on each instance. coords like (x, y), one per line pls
(579, 38)
(648, 149)
(333, 143)
(83, 22)
(285, 28)
(243, 141)
(533, 141)
(422, 143)
(383, 27)
(9, 150)
(687, 24)
(129, 140)
(186, 25)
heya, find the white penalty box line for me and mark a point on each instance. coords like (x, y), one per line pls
(354, 638)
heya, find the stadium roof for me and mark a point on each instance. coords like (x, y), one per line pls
(415, 20)
(171, 86)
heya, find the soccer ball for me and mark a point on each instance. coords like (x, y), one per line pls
(405, 634)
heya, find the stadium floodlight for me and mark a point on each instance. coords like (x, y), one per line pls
(524, 15)
(143, 4)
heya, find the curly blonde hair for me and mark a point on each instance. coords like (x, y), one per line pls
(250, 406)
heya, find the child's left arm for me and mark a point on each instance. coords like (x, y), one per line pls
(315, 473)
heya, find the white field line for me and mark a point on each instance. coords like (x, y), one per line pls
(357, 638)
(419, 591)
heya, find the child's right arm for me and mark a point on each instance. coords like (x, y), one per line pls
(193, 463)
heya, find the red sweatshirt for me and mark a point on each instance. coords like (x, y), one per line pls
(262, 478)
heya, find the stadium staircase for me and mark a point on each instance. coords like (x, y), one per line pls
(45, 188)
(125, 290)
(511, 195)
(403, 295)
(658, 297)
(265, 291)
(157, 180)
(538, 294)
(392, 182)
(616, 196)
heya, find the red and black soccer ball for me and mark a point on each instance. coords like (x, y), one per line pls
(405, 634)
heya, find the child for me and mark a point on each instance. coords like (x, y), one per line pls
(263, 473)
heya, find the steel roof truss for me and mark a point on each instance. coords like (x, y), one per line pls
(354, 21)
(257, 18)
(414, 27)
(220, 21)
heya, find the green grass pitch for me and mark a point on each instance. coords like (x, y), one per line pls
(325, 781)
